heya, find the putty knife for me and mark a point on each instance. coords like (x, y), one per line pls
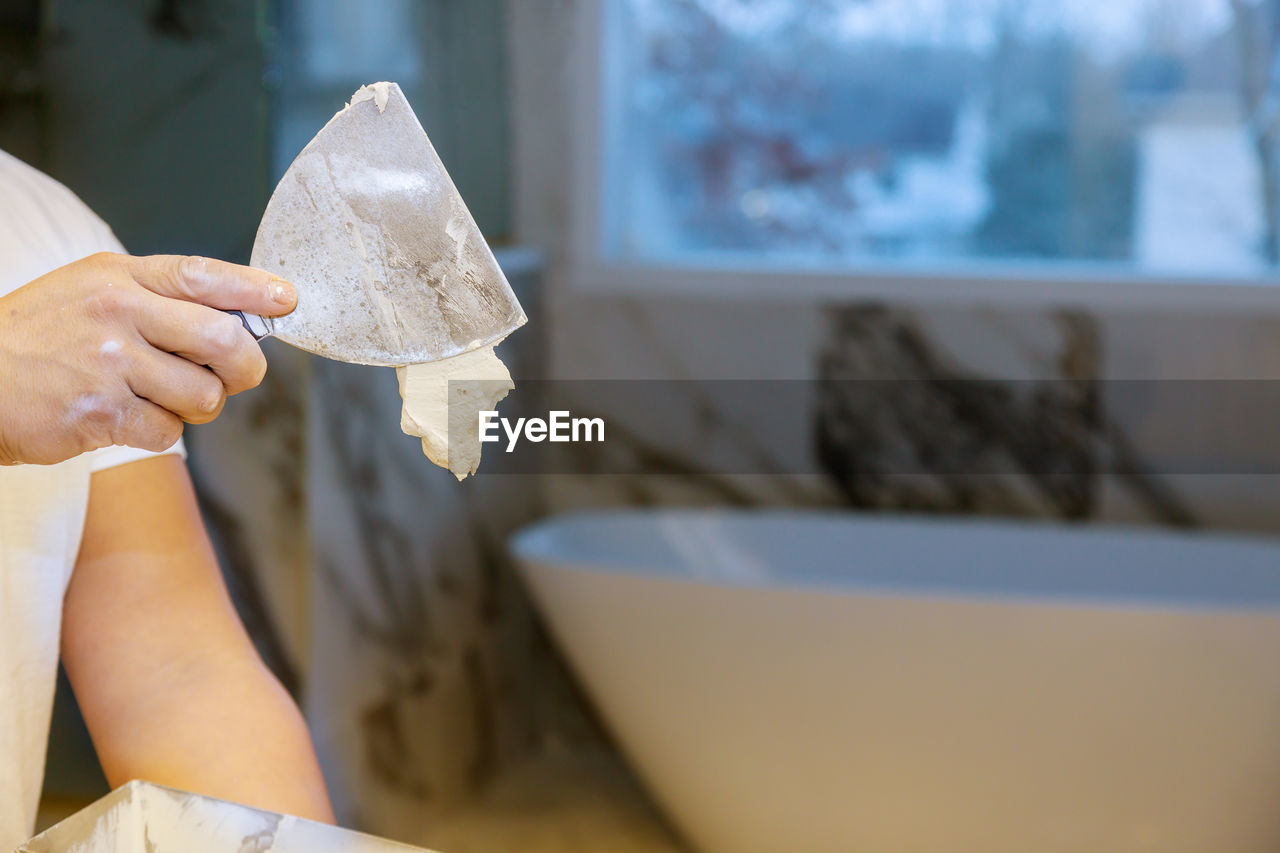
(389, 265)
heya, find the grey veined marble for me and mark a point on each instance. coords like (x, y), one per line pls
(145, 818)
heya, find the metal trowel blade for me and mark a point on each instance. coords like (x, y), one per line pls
(389, 265)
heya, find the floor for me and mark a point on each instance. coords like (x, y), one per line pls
(57, 809)
(558, 805)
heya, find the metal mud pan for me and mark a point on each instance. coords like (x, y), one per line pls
(144, 818)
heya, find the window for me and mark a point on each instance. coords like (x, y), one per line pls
(329, 48)
(1139, 138)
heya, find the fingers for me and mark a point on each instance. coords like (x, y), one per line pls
(193, 393)
(202, 336)
(147, 426)
(217, 284)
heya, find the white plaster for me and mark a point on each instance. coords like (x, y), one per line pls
(376, 92)
(442, 405)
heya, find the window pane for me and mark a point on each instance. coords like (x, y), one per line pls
(344, 40)
(1131, 132)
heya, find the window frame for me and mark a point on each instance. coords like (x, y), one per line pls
(594, 149)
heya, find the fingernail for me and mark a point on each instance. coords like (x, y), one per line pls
(282, 292)
(210, 405)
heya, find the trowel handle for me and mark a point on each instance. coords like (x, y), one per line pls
(253, 324)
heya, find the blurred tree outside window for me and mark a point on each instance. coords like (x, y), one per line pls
(1134, 132)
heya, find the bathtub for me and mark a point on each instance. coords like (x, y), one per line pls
(829, 682)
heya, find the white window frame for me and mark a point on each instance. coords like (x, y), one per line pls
(1064, 284)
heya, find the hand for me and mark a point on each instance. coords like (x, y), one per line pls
(114, 349)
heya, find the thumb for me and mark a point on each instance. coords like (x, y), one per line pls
(214, 283)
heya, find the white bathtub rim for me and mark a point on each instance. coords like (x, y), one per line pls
(536, 547)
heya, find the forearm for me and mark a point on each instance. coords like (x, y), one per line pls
(171, 688)
(223, 727)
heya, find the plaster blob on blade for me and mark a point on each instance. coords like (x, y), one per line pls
(443, 401)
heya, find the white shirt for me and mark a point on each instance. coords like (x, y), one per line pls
(42, 508)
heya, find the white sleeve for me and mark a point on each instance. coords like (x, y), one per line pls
(110, 457)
